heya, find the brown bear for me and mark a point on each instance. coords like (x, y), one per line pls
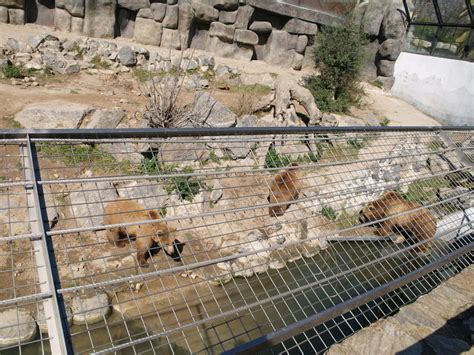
(148, 237)
(419, 224)
(284, 188)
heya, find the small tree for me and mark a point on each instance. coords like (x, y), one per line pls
(339, 55)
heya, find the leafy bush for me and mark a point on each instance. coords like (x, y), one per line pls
(13, 72)
(275, 160)
(186, 186)
(329, 213)
(339, 55)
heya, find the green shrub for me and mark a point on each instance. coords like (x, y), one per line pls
(339, 55)
(275, 160)
(13, 72)
(329, 213)
(385, 122)
(186, 186)
(99, 62)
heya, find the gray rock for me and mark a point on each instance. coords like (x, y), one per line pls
(292, 41)
(297, 26)
(74, 7)
(261, 27)
(212, 113)
(189, 64)
(99, 18)
(217, 191)
(170, 39)
(386, 68)
(12, 45)
(3, 14)
(246, 37)
(126, 23)
(226, 5)
(229, 50)
(244, 13)
(205, 13)
(53, 114)
(4, 63)
(172, 2)
(146, 13)
(373, 16)
(107, 118)
(227, 17)
(206, 60)
(134, 5)
(42, 321)
(224, 32)
(62, 20)
(249, 121)
(393, 26)
(36, 40)
(301, 44)
(16, 16)
(77, 25)
(297, 63)
(171, 17)
(16, 325)
(127, 56)
(159, 11)
(369, 69)
(186, 16)
(387, 82)
(277, 49)
(222, 70)
(89, 199)
(148, 193)
(148, 31)
(186, 152)
(390, 49)
(90, 309)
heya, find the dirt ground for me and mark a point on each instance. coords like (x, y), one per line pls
(106, 90)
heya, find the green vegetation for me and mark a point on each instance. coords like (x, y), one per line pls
(257, 89)
(377, 83)
(385, 122)
(79, 51)
(436, 145)
(73, 155)
(99, 62)
(329, 213)
(12, 71)
(339, 55)
(213, 157)
(186, 186)
(424, 191)
(347, 220)
(275, 160)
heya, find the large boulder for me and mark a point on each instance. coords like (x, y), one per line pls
(386, 67)
(244, 14)
(126, 23)
(62, 20)
(127, 56)
(134, 5)
(211, 113)
(148, 31)
(246, 37)
(297, 26)
(77, 24)
(205, 13)
(373, 13)
(53, 114)
(16, 326)
(171, 18)
(226, 5)
(170, 39)
(276, 50)
(229, 50)
(16, 16)
(107, 118)
(393, 25)
(261, 27)
(159, 11)
(227, 17)
(36, 40)
(74, 7)
(99, 20)
(19, 4)
(390, 49)
(224, 32)
(90, 309)
(3, 14)
(186, 16)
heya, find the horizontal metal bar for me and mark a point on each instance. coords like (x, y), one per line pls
(25, 299)
(297, 328)
(436, 24)
(189, 132)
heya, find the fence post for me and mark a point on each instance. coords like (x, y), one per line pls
(54, 309)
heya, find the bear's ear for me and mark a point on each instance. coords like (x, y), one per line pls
(154, 214)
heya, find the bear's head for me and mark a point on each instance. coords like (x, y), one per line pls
(377, 209)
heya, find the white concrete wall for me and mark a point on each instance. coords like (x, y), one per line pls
(442, 88)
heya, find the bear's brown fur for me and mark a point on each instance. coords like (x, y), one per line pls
(285, 187)
(419, 224)
(145, 235)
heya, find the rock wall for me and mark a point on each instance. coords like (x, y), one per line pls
(275, 32)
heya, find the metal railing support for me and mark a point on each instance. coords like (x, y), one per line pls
(54, 309)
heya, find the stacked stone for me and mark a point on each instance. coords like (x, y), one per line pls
(383, 23)
(11, 11)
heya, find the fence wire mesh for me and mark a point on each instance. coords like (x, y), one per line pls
(202, 243)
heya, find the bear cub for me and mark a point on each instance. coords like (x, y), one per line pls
(285, 187)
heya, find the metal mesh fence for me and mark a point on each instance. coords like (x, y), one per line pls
(203, 241)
